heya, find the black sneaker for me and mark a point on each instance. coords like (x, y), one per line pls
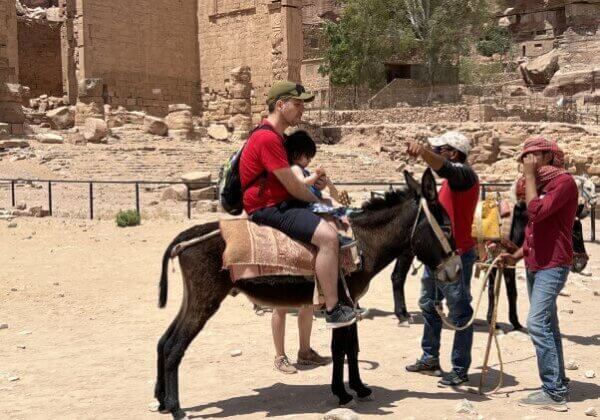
(431, 368)
(453, 379)
(340, 316)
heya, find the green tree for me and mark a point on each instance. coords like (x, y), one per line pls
(495, 40)
(371, 32)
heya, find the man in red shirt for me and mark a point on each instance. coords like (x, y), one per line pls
(552, 197)
(274, 196)
(458, 195)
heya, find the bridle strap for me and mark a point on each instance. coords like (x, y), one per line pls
(437, 230)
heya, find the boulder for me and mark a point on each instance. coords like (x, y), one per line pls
(540, 70)
(176, 192)
(218, 132)
(77, 139)
(83, 111)
(90, 87)
(156, 126)
(61, 118)
(196, 180)
(569, 84)
(50, 138)
(9, 144)
(208, 193)
(340, 414)
(11, 112)
(95, 130)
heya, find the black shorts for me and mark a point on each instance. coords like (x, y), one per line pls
(293, 218)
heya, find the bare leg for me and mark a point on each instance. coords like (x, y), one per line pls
(305, 321)
(327, 261)
(278, 328)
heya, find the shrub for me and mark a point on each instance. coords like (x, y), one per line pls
(496, 40)
(128, 218)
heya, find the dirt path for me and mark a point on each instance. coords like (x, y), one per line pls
(80, 301)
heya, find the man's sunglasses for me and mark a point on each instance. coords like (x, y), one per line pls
(441, 149)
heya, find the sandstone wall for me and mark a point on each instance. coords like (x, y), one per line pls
(40, 57)
(146, 52)
(263, 35)
(8, 41)
(11, 113)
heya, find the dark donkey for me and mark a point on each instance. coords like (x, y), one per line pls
(517, 237)
(385, 229)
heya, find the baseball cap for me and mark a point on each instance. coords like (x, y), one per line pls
(288, 90)
(453, 139)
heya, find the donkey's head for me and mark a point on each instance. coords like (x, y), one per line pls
(431, 237)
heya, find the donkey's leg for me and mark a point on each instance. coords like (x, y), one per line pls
(356, 384)
(511, 292)
(398, 279)
(338, 354)
(199, 306)
(159, 388)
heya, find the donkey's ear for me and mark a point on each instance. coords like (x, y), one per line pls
(428, 187)
(412, 183)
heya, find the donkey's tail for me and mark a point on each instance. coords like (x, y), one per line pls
(184, 236)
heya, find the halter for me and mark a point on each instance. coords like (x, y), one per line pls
(451, 264)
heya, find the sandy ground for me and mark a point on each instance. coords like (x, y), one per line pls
(80, 301)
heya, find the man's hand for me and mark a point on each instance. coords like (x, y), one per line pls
(529, 165)
(508, 260)
(414, 149)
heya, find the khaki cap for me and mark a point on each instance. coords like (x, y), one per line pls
(288, 90)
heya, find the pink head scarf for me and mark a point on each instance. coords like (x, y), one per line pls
(556, 167)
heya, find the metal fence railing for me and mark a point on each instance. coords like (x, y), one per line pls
(485, 188)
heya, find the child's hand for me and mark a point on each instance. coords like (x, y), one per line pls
(320, 171)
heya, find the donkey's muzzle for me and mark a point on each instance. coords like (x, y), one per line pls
(449, 270)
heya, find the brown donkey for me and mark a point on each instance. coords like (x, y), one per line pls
(385, 229)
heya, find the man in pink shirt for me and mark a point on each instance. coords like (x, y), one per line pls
(551, 195)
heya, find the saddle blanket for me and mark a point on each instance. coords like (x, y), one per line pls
(253, 250)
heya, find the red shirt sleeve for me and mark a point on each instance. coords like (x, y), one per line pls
(557, 195)
(271, 152)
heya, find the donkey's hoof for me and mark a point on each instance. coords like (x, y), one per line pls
(368, 398)
(348, 404)
(180, 415)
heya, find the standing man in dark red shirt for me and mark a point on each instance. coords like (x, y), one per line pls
(458, 195)
(274, 196)
(551, 195)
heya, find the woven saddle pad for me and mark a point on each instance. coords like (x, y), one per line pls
(253, 250)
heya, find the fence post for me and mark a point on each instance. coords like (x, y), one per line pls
(12, 192)
(50, 198)
(91, 201)
(189, 202)
(137, 198)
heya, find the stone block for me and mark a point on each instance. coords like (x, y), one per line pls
(179, 107)
(156, 126)
(61, 118)
(91, 87)
(196, 180)
(95, 130)
(83, 111)
(180, 120)
(11, 112)
(50, 138)
(208, 193)
(218, 132)
(10, 144)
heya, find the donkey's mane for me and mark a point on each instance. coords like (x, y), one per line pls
(373, 212)
(391, 198)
